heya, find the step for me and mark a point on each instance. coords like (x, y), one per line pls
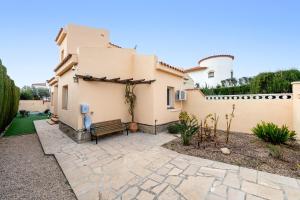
(49, 121)
(55, 120)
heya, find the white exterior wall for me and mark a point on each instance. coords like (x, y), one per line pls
(221, 66)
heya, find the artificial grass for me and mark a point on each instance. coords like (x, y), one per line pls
(23, 125)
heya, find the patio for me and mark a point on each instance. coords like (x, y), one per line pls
(137, 167)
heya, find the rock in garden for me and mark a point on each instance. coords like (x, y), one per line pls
(225, 151)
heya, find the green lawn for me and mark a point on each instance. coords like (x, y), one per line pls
(23, 125)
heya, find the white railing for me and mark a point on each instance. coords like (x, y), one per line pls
(250, 96)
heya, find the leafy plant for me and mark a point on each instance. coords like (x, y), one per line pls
(183, 117)
(275, 151)
(188, 127)
(263, 83)
(130, 98)
(270, 132)
(174, 128)
(228, 122)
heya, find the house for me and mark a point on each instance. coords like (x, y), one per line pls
(212, 70)
(39, 85)
(92, 71)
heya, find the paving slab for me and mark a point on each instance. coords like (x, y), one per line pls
(137, 167)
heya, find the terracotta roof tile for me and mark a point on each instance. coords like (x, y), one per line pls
(112, 44)
(170, 66)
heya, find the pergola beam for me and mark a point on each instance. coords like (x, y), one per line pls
(115, 80)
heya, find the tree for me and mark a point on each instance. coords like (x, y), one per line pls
(43, 93)
(26, 93)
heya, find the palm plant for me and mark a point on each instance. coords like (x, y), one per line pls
(187, 128)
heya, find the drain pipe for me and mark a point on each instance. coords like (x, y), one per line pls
(155, 126)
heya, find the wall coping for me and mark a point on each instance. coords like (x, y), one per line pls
(295, 82)
(278, 96)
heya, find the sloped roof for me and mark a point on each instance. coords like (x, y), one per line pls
(170, 66)
(193, 69)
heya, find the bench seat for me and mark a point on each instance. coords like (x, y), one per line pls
(107, 127)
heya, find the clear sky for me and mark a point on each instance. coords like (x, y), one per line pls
(263, 35)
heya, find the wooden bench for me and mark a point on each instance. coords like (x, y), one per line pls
(107, 127)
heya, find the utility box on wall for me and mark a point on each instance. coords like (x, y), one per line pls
(84, 108)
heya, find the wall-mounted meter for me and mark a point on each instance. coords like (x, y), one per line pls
(84, 108)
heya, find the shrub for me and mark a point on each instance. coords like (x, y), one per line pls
(174, 128)
(9, 98)
(263, 83)
(275, 151)
(270, 132)
(187, 128)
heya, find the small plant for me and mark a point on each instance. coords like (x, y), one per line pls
(174, 128)
(130, 98)
(183, 117)
(270, 132)
(228, 122)
(206, 128)
(24, 113)
(275, 151)
(188, 127)
(215, 120)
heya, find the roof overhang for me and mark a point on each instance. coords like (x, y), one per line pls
(164, 67)
(60, 36)
(66, 64)
(216, 56)
(52, 81)
(195, 69)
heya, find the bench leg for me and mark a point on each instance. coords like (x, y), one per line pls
(127, 131)
(96, 139)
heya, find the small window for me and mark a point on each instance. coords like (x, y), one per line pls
(211, 74)
(65, 97)
(62, 55)
(52, 103)
(170, 97)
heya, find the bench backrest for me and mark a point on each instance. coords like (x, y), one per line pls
(108, 126)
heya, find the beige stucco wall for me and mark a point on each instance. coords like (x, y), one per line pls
(54, 99)
(247, 113)
(34, 105)
(164, 80)
(144, 69)
(296, 107)
(82, 36)
(68, 116)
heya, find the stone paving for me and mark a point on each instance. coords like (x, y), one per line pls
(137, 167)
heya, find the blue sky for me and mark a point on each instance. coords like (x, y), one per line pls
(263, 35)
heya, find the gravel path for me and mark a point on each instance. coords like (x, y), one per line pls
(27, 173)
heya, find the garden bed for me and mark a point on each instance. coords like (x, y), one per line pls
(246, 151)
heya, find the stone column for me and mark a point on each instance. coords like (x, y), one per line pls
(296, 107)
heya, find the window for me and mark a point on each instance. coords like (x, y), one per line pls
(211, 74)
(52, 103)
(170, 97)
(62, 55)
(65, 97)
